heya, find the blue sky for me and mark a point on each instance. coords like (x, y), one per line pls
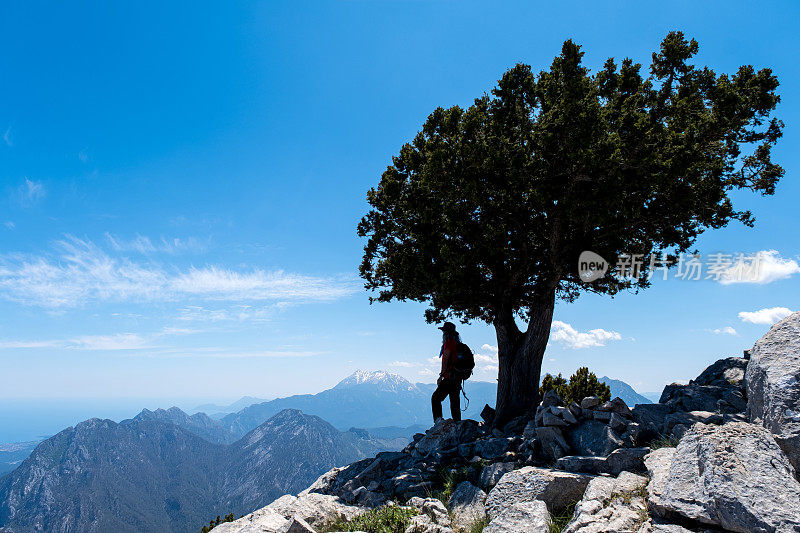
(179, 190)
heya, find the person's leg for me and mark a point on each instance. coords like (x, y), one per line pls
(436, 402)
(455, 400)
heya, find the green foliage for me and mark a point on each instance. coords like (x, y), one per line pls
(487, 209)
(560, 520)
(580, 385)
(386, 519)
(213, 523)
(449, 479)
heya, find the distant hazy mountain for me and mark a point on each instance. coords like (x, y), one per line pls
(212, 409)
(147, 475)
(624, 391)
(364, 399)
(198, 424)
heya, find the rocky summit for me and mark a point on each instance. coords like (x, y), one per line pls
(716, 454)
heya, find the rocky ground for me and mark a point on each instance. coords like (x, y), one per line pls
(717, 454)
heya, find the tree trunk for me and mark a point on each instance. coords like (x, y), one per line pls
(520, 355)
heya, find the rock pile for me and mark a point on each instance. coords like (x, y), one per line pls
(726, 473)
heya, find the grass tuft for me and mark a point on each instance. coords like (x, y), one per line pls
(559, 521)
(664, 442)
(386, 519)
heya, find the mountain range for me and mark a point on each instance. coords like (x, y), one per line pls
(166, 470)
(149, 474)
(364, 399)
(624, 391)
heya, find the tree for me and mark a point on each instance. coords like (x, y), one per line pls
(580, 385)
(485, 213)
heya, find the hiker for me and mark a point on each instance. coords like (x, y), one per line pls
(448, 384)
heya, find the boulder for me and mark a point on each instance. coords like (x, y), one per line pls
(491, 474)
(447, 434)
(592, 437)
(555, 488)
(314, 508)
(492, 448)
(424, 524)
(432, 508)
(773, 385)
(551, 443)
(611, 504)
(551, 398)
(621, 460)
(651, 416)
(719, 388)
(590, 402)
(549, 419)
(521, 517)
(298, 525)
(467, 505)
(732, 476)
(263, 520)
(688, 419)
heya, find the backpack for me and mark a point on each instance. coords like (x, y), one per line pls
(465, 362)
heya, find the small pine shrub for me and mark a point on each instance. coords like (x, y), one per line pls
(580, 385)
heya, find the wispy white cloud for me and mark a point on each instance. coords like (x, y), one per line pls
(727, 330)
(768, 315)
(767, 266)
(121, 341)
(568, 336)
(9, 224)
(81, 272)
(403, 364)
(29, 193)
(7, 138)
(144, 245)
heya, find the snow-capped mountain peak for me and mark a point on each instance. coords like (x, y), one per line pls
(380, 378)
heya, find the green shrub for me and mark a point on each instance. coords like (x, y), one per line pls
(386, 519)
(449, 479)
(580, 385)
(213, 523)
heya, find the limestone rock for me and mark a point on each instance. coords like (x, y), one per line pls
(298, 525)
(590, 402)
(424, 524)
(492, 448)
(773, 385)
(432, 508)
(491, 474)
(551, 443)
(549, 419)
(555, 488)
(521, 517)
(313, 508)
(611, 505)
(621, 460)
(734, 476)
(264, 520)
(447, 434)
(551, 398)
(592, 437)
(467, 505)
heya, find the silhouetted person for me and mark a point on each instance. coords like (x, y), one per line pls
(448, 383)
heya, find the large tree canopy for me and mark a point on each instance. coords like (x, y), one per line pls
(484, 214)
